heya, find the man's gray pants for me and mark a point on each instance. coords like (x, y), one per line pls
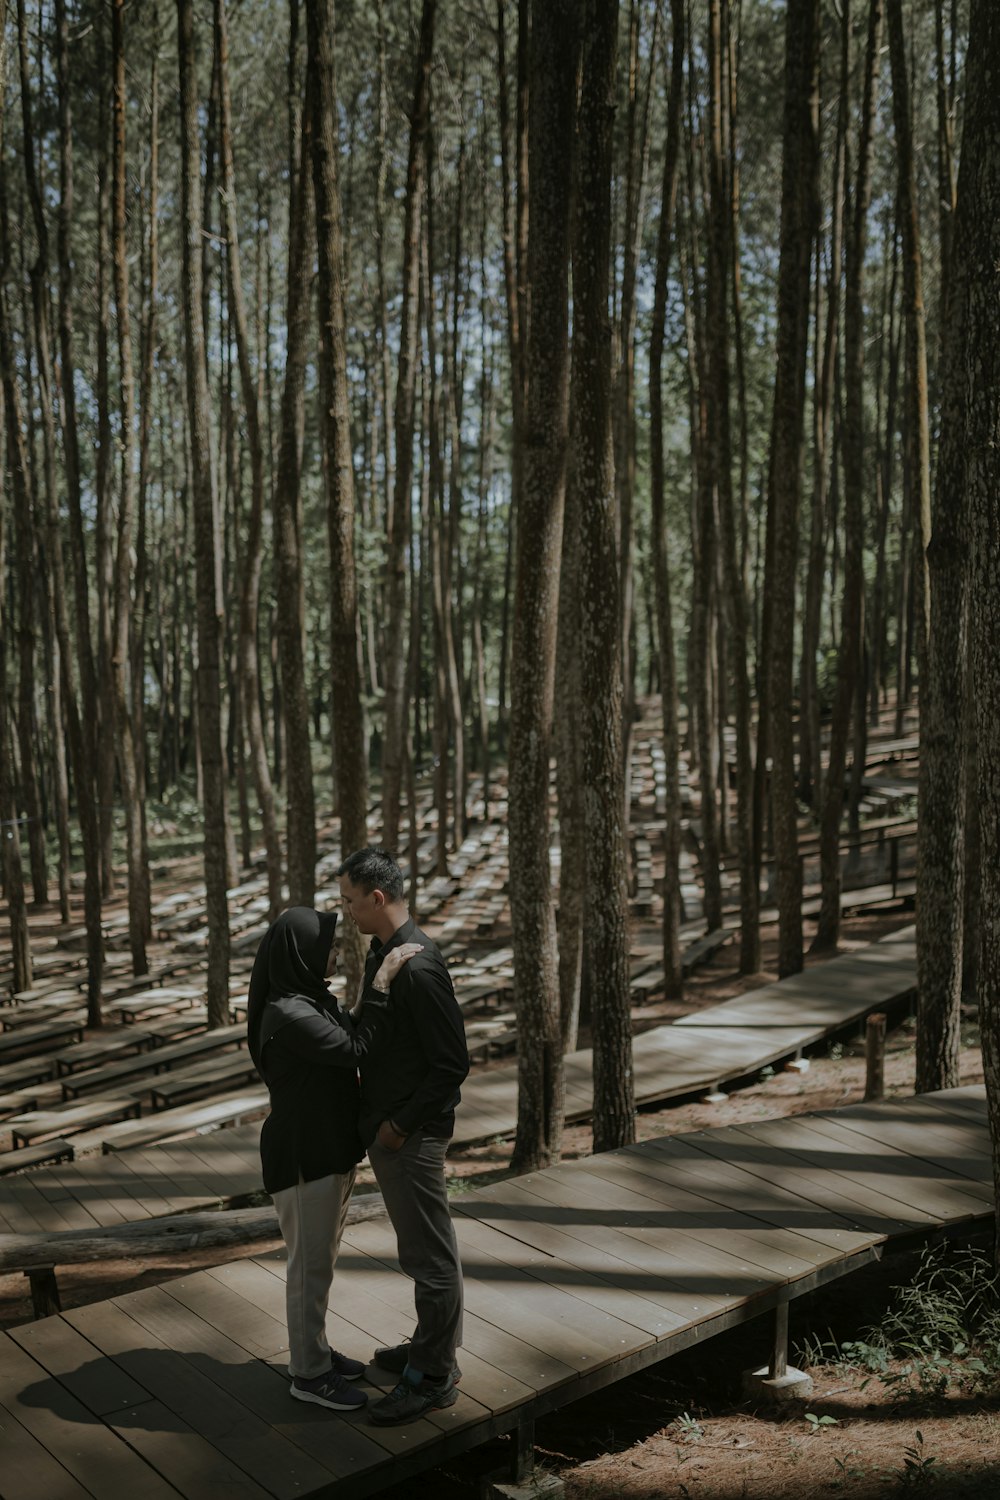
(413, 1186)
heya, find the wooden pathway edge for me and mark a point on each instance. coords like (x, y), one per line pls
(697, 1053)
(575, 1277)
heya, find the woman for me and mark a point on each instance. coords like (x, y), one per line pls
(306, 1050)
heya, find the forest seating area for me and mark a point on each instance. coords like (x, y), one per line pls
(174, 1124)
(575, 1277)
(42, 1036)
(732, 1041)
(155, 1061)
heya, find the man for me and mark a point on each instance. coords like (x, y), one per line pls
(408, 1099)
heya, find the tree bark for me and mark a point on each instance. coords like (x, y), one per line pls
(348, 715)
(849, 655)
(672, 967)
(539, 530)
(398, 527)
(79, 742)
(253, 540)
(605, 928)
(800, 159)
(721, 236)
(941, 807)
(916, 449)
(133, 793)
(209, 603)
(979, 198)
(287, 501)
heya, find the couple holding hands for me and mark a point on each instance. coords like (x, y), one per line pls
(404, 1037)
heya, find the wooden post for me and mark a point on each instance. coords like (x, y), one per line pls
(524, 1453)
(875, 1056)
(44, 1291)
(779, 1349)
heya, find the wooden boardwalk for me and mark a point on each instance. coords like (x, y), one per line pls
(700, 1052)
(576, 1276)
(733, 1040)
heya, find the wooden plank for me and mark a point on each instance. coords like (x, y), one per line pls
(788, 1254)
(913, 1180)
(186, 1463)
(381, 1303)
(96, 1382)
(903, 1193)
(708, 1279)
(27, 1209)
(267, 1290)
(562, 1270)
(577, 1335)
(194, 1399)
(787, 1159)
(623, 1269)
(255, 1385)
(74, 1437)
(29, 1470)
(728, 1185)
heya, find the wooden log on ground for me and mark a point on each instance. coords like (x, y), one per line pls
(38, 1255)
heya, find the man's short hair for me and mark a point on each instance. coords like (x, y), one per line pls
(372, 869)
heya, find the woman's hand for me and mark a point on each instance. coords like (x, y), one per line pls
(392, 963)
(390, 1136)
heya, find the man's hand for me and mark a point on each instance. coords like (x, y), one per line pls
(390, 1136)
(392, 963)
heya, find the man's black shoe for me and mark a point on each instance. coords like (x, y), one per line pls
(394, 1358)
(408, 1400)
(397, 1356)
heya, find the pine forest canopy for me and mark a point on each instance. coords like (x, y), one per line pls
(394, 387)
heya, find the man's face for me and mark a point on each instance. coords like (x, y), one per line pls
(362, 907)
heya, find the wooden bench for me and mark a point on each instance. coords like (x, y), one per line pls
(34, 1156)
(205, 1077)
(65, 1119)
(173, 1124)
(155, 1002)
(156, 1061)
(42, 1038)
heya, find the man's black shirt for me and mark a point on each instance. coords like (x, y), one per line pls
(416, 1078)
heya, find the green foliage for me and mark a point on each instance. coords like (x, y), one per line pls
(916, 1464)
(816, 1424)
(941, 1329)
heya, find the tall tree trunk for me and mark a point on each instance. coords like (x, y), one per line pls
(254, 539)
(568, 746)
(79, 742)
(209, 603)
(917, 412)
(979, 198)
(398, 528)
(539, 529)
(515, 260)
(672, 968)
(800, 160)
(849, 655)
(348, 713)
(133, 793)
(287, 499)
(825, 356)
(721, 235)
(10, 854)
(941, 800)
(605, 929)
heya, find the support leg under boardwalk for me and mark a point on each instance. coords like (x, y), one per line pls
(522, 1482)
(777, 1382)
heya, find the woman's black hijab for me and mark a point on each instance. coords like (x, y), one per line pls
(291, 964)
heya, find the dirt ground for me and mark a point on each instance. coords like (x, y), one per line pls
(681, 1428)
